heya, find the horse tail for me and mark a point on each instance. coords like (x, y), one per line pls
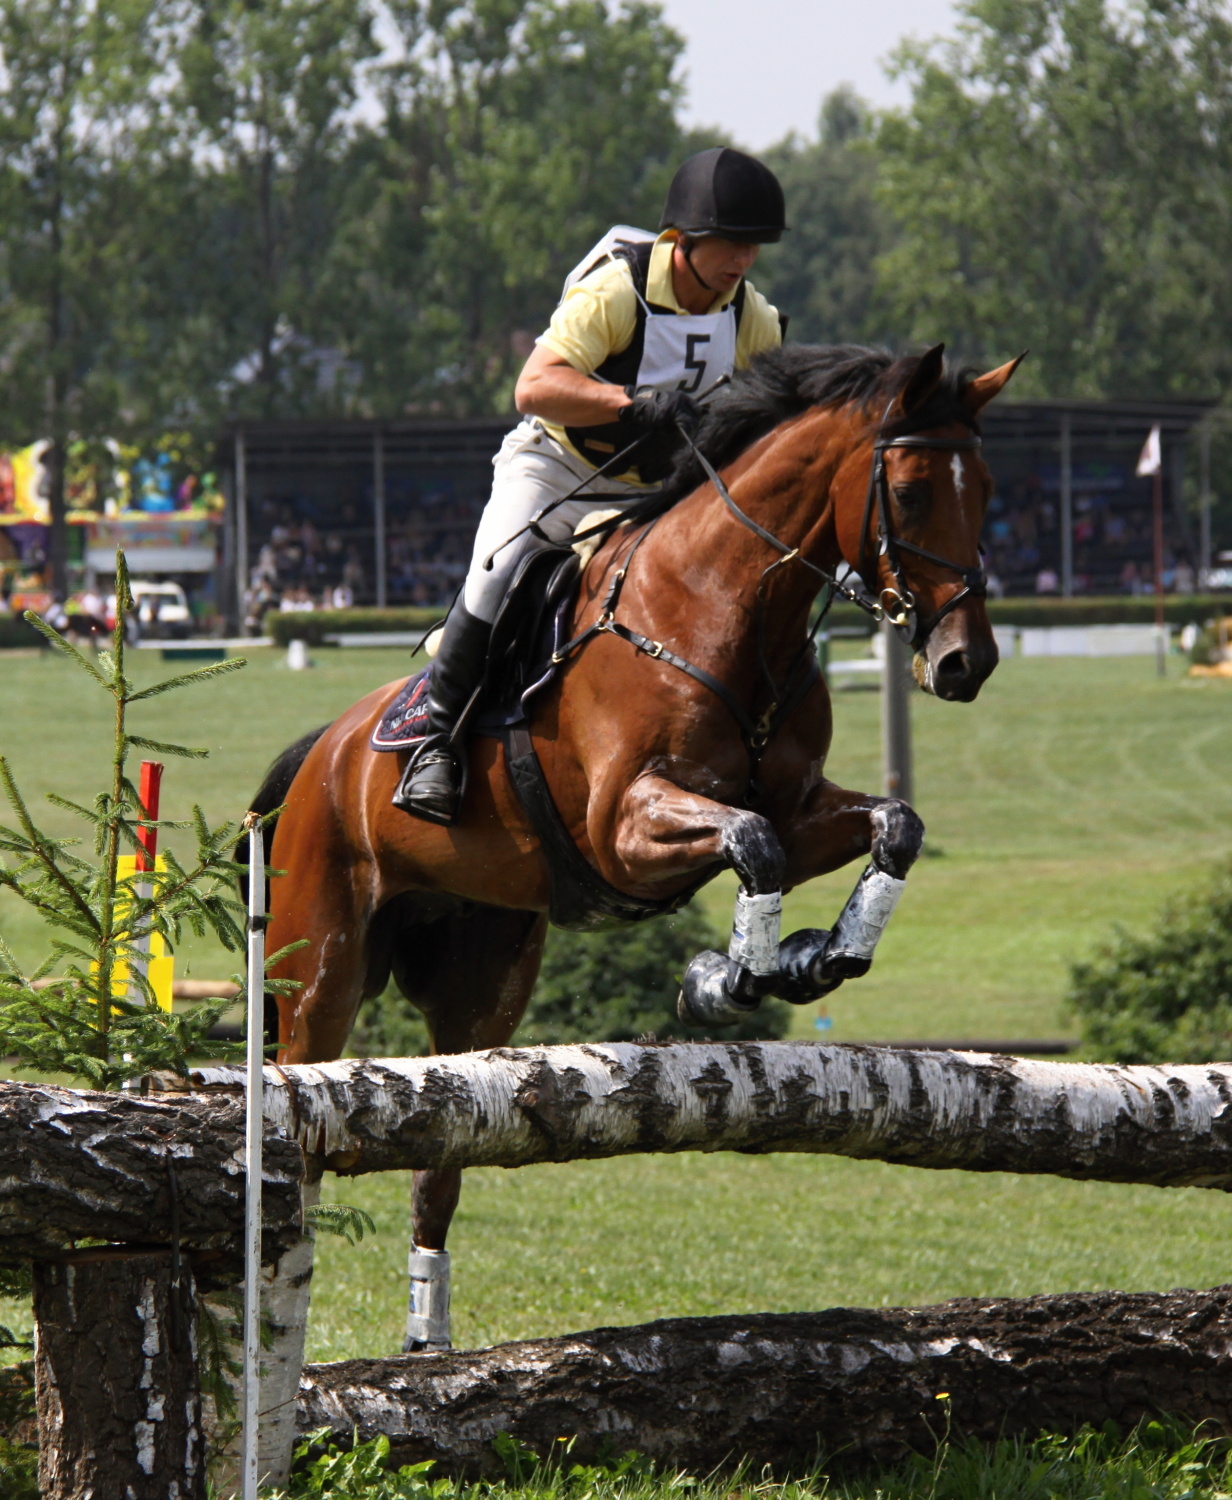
(272, 793)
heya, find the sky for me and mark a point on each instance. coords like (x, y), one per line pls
(760, 68)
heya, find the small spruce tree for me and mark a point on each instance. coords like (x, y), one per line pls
(73, 1014)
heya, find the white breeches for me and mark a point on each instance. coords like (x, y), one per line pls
(531, 470)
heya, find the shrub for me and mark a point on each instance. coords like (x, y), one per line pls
(15, 631)
(619, 985)
(314, 625)
(1164, 995)
(593, 987)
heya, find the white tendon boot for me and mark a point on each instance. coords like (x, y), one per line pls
(861, 923)
(427, 1316)
(755, 932)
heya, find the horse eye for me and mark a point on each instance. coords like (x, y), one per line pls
(914, 497)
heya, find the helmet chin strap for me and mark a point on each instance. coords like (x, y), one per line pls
(686, 249)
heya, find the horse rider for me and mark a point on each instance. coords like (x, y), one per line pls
(646, 326)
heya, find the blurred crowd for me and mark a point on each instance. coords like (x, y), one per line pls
(303, 567)
(1113, 550)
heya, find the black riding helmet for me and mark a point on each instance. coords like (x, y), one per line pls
(726, 193)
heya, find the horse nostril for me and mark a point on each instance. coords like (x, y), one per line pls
(954, 666)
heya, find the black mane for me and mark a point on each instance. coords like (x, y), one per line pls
(784, 382)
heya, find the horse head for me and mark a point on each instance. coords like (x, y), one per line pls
(909, 517)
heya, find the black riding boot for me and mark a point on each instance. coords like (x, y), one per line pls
(432, 782)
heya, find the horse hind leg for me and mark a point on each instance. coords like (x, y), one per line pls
(471, 973)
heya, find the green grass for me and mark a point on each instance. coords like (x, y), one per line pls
(1072, 795)
(1160, 1460)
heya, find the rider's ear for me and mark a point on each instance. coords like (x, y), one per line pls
(984, 387)
(924, 381)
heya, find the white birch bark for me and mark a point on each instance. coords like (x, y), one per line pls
(1171, 1126)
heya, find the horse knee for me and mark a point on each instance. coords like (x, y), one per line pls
(898, 836)
(751, 847)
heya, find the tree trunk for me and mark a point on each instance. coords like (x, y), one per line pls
(848, 1386)
(79, 1164)
(1171, 1126)
(119, 1397)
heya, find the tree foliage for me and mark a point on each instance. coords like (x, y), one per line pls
(1164, 995)
(823, 274)
(1060, 181)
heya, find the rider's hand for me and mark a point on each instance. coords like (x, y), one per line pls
(658, 411)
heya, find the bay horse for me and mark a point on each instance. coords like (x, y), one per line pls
(828, 456)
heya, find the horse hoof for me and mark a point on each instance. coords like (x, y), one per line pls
(706, 997)
(803, 973)
(835, 967)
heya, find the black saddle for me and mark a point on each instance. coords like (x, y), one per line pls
(533, 621)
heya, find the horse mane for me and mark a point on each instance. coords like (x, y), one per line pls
(783, 382)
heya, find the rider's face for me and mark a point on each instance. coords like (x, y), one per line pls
(721, 263)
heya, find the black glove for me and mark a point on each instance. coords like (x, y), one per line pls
(653, 411)
(657, 417)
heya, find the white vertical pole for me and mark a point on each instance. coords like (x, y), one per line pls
(241, 527)
(1204, 518)
(1067, 506)
(378, 517)
(252, 1156)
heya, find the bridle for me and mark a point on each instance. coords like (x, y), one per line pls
(897, 604)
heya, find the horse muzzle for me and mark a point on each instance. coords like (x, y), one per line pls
(956, 659)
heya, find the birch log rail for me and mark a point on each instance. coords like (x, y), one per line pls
(1170, 1126)
(851, 1385)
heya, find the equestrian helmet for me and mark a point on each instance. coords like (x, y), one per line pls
(724, 193)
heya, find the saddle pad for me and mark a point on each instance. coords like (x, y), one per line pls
(406, 719)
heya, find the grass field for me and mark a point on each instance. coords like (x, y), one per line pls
(1072, 795)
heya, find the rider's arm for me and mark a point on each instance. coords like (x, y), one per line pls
(550, 387)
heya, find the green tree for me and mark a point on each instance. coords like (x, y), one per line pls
(514, 132)
(73, 76)
(823, 273)
(259, 123)
(1060, 180)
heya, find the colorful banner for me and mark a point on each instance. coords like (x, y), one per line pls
(154, 544)
(21, 485)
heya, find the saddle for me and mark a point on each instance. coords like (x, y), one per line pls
(532, 625)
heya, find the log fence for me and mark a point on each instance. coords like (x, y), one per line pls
(160, 1178)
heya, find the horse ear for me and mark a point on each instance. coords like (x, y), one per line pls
(984, 387)
(924, 381)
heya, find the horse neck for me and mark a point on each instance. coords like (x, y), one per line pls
(784, 483)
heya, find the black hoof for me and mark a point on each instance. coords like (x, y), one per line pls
(716, 992)
(804, 975)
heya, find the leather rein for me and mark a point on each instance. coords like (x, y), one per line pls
(899, 611)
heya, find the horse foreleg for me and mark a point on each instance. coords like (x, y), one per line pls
(471, 974)
(664, 832)
(837, 825)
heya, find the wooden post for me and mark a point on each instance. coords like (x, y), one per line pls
(119, 1397)
(896, 683)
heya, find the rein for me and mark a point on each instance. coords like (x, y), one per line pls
(900, 611)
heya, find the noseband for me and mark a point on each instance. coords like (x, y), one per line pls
(897, 604)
